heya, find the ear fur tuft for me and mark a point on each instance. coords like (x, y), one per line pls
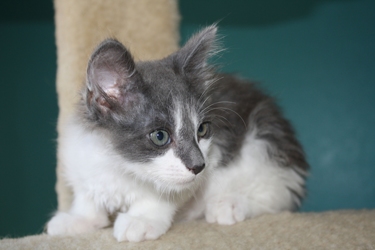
(192, 58)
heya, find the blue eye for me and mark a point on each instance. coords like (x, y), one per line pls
(160, 137)
(202, 130)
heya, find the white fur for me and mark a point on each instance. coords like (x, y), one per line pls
(178, 117)
(146, 196)
(251, 185)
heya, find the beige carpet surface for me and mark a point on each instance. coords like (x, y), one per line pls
(328, 230)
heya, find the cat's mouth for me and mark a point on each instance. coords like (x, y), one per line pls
(189, 180)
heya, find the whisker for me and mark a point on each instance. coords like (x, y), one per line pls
(223, 119)
(214, 81)
(201, 105)
(234, 112)
(216, 103)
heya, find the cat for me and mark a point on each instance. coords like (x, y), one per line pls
(156, 142)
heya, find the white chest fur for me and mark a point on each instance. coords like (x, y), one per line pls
(93, 168)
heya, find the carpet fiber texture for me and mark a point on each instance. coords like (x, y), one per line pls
(328, 230)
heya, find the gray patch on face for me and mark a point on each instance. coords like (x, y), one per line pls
(162, 92)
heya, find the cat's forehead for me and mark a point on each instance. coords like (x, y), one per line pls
(160, 73)
(170, 97)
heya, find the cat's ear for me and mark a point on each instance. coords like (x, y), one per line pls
(192, 58)
(111, 74)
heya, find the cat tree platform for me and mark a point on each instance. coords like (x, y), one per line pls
(328, 230)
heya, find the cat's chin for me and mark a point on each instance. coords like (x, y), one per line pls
(183, 183)
(187, 181)
(180, 185)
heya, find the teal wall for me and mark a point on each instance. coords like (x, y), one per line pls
(316, 57)
(27, 129)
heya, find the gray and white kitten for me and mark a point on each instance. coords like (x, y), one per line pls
(159, 141)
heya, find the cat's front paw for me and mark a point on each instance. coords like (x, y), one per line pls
(68, 224)
(136, 229)
(225, 210)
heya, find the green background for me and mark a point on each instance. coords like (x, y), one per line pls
(316, 57)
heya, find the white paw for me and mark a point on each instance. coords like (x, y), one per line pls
(68, 224)
(135, 229)
(225, 210)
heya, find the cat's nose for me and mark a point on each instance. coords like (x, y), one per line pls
(196, 169)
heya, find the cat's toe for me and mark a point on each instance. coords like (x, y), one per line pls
(225, 211)
(129, 228)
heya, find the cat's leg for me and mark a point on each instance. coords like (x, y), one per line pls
(83, 217)
(145, 220)
(250, 186)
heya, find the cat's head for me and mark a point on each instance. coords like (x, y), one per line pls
(155, 112)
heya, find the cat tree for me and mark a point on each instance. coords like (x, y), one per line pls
(150, 29)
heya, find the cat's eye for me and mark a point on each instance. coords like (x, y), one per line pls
(160, 137)
(202, 130)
